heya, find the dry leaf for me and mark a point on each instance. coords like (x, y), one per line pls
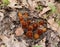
(12, 4)
(53, 24)
(1, 16)
(44, 10)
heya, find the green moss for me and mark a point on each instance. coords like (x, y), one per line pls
(53, 8)
(5, 2)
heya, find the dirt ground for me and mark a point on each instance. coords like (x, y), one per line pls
(29, 23)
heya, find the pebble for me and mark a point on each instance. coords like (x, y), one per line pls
(19, 31)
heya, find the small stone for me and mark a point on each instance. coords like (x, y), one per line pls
(13, 15)
(19, 31)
